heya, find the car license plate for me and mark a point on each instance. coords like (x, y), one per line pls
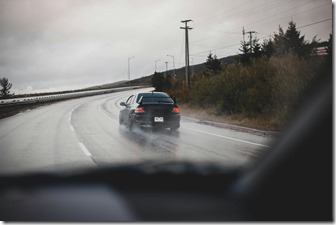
(158, 119)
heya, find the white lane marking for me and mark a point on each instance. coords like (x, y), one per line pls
(72, 128)
(230, 138)
(70, 116)
(85, 150)
(81, 145)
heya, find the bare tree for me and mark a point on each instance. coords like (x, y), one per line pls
(6, 86)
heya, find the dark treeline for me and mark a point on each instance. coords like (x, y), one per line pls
(266, 81)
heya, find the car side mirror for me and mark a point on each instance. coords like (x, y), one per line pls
(123, 104)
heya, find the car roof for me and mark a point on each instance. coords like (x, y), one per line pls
(153, 94)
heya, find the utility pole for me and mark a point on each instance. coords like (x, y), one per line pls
(186, 28)
(129, 70)
(173, 63)
(156, 62)
(165, 73)
(250, 32)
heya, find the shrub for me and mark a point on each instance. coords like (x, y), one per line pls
(268, 87)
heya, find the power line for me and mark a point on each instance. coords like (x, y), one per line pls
(221, 31)
(271, 4)
(259, 8)
(239, 6)
(315, 23)
(307, 25)
(241, 9)
(285, 16)
(285, 11)
(213, 36)
(229, 46)
(281, 12)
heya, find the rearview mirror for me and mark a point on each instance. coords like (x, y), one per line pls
(122, 104)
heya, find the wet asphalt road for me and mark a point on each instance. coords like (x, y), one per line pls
(85, 133)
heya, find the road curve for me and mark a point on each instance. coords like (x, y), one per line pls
(85, 133)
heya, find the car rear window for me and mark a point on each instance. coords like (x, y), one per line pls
(157, 100)
(153, 97)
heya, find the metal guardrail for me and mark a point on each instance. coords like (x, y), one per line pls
(62, 97)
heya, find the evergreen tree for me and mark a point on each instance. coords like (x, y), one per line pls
(256, 48)
(267, 48)
(246, 52)
(279, 43)
(213, 64)
(292, 41)
(297, 43)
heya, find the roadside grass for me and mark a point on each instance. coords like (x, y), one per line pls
(211, 114)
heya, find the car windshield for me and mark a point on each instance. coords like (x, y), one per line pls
(71, 73)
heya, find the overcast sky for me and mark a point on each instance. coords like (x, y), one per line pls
(48, 45)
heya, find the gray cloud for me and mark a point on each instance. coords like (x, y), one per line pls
(56, 45)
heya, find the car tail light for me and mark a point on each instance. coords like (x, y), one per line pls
(139, 110)
(176, 110)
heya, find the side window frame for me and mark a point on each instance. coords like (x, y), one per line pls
(129, 100)
(132, 100)
(138, 98)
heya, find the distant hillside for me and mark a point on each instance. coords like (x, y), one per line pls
(107, 86)
(147, 80)
(180, 72)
